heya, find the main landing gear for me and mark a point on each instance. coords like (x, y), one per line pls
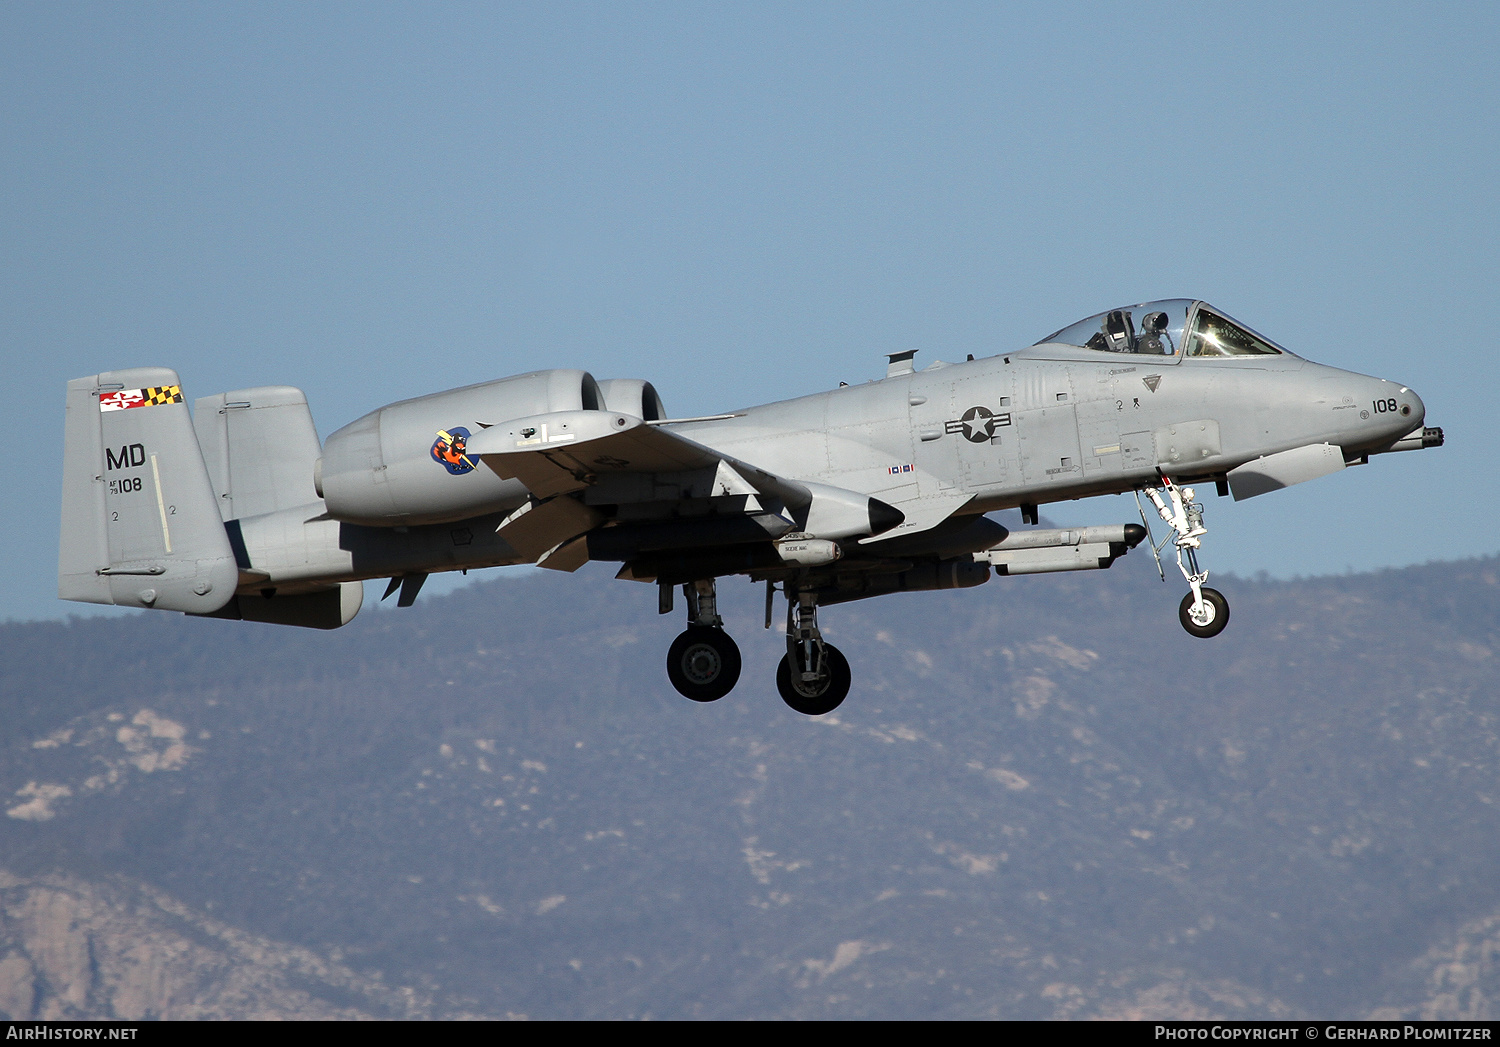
(703, 663)
(813, 676)
(1204, 612)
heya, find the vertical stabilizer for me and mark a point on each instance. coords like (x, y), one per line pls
(83, 547)
(261, 451)
(140, 527)
(260, 448)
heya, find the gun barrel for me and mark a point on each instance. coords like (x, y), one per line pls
(1432, 436)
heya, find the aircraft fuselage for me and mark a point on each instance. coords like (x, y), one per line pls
(842, 495)
(1052, 423)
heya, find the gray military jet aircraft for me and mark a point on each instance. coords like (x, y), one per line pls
(238, 511)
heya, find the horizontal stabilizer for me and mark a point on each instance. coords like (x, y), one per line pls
(325, 609)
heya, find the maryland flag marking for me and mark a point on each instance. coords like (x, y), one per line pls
(124, 399)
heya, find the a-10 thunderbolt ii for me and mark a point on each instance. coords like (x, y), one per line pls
(238, 511)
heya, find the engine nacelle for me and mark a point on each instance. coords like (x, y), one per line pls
(633, 397)
(406, 463)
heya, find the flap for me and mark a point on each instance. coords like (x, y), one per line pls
(536, 528)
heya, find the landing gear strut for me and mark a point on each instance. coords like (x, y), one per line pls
(1204, 611)
(813, 676)
(703, 663)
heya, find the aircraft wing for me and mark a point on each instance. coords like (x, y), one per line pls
(608, 458)
(570, 451)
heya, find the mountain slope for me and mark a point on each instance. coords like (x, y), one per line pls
(1041, 799)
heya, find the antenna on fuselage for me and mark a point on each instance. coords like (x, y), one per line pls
(900, 363)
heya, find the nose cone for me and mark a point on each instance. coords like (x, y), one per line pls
(1401, 405)
(1390, 412)
(1368, 414)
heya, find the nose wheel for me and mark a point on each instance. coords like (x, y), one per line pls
(1206, 617)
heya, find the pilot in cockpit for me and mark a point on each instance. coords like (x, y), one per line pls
(1155, 340)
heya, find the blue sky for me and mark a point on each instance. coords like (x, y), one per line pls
(748, 202)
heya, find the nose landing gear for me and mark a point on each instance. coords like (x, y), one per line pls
(1204, 612)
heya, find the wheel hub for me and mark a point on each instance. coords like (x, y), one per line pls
(813, 688)
(701, 664)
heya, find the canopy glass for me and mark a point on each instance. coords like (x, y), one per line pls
(1171, 327)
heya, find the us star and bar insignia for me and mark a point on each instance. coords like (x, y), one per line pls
(978, 424)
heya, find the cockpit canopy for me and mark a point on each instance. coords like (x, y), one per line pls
(1172, 327)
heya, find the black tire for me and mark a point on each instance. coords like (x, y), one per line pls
(1218, 613)
(703, 663)
(822, 696)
